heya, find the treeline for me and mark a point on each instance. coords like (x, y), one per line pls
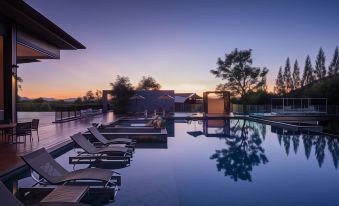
(288, 81)
(123, 90)
(90, 100)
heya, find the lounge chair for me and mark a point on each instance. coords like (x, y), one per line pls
(51, 171)
(95, 132)
(62, 195)
(92, 153)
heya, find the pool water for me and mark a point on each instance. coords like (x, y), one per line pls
(231, 162)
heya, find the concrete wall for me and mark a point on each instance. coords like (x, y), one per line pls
(152, 102)
(216, 106)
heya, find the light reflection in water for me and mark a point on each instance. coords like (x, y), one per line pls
(230, 162)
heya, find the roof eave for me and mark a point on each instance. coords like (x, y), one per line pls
(30, 19)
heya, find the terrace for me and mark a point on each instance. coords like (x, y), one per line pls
(52, 137)
(152, 155)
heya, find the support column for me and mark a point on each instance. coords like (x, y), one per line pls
(205, 98)
(105, 101)
(10, 74)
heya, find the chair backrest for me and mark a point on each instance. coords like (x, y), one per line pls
(95, 132)
(82, 141)
(23, 127)
(7, 197)
(35, 123)
(44, 164)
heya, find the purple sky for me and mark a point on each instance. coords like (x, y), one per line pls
(177, 42)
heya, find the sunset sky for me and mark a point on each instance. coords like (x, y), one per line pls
(176, 42)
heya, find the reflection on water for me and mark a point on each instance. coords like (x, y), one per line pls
(244, 151)
(229, 162)
(244, 147)
(310, 141)
(46, 118)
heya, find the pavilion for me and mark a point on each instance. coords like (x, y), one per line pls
(25, 36)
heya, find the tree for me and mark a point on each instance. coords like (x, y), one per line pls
(296, 75)
(241, 77)
(89, 96)
(334, 66)
(320, 69)
(308, 76)
(279, 87)
(98, 95)
(288, 77)
(122, 90)
(148, 83)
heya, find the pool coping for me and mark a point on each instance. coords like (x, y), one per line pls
(55, 151)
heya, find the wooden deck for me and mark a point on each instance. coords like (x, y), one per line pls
(50, 136)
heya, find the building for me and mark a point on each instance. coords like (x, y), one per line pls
(25, 36)
(151, 100)
(188, 102)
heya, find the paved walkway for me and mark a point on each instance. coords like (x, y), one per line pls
(50, 136)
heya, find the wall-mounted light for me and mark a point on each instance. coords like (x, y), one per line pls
(14, 69)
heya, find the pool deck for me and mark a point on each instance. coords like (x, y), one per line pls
(52, 137)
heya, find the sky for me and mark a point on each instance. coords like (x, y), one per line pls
(176, 42)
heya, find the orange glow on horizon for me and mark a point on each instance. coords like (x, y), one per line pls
(34, 93)
(56, 95)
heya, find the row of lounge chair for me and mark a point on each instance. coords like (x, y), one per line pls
(107, 151)
(70, 187)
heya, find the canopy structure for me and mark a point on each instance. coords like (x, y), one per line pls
(25, 36)
(299, 105)
(217, 102)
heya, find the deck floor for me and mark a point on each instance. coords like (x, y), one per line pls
(50, 135)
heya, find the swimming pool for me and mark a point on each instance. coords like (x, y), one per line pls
(230, 162)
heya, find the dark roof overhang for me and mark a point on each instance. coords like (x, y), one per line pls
(30, 20)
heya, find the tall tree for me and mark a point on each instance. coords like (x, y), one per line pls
(320, 69)
(148, 83)
(279, 87)
(241, 77)
(308, 76)
(288, 81)
(296, 75)
(334, 65)
(122, 90)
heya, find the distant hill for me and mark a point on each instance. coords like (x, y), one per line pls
(24, 99)
(48, 99)
(70, 99)
(327, 87)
